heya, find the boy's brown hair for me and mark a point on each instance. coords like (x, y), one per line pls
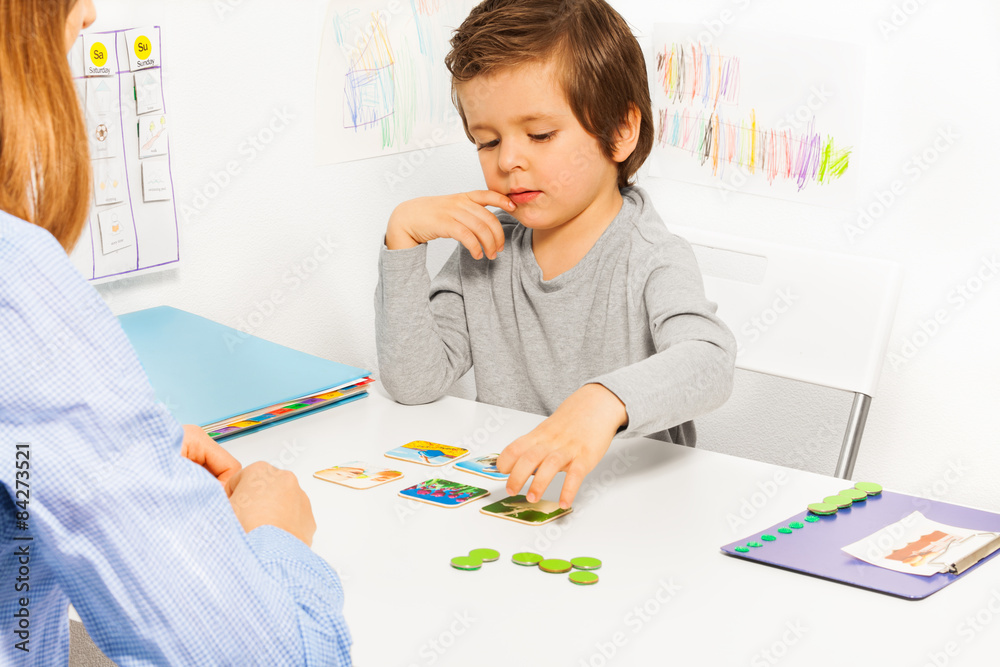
(603, 71)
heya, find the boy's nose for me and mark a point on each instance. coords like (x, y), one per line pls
(511, 156)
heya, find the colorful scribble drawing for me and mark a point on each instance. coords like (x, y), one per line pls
(698, 73)
(778, 154)
(369, 85)
(381, 84)
(697, 82)
(427, 7)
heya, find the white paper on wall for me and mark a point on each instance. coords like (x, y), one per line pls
(381, 86)
(773, 115)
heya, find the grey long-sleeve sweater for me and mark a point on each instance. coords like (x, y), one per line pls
(631, 315)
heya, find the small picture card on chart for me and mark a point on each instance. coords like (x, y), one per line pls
(116, 229)
(143, 46)
(109, 181)
(152, 135)
(155, 180)
(148, 96)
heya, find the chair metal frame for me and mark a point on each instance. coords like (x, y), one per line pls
(836, 335)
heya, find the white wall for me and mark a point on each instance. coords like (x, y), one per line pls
(933, 427)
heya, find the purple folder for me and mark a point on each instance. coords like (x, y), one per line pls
(815, 548)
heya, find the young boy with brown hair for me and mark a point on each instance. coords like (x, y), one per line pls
(574, 301)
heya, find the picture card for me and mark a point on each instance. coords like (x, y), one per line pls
(152, 135)
(485, 466)
(109, 181)
(155, 180)
(102, 97)
(427, 453)
(148, 97)
(101, 135)
(517, 508)
(117, 229)
(143, 47)
(444, 493)
(358, 475)
(99, 55)
(918, 545)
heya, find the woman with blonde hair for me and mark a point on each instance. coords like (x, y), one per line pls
(110, 504)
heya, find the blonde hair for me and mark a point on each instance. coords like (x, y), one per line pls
(44, 156)
(603, 70)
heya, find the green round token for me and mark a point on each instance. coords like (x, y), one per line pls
(785, 531)
(583, 578)
(466, 563)
(797, 524)
(485, 555)
(811, 519)
(755, 545)
(822, 508)
(742, 550)
(838, 500)
(555, 565)
(527, 558)
(768, 538)
(855, 495)
(871, 488)
(586, 563)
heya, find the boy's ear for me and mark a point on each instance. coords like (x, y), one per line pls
(628, 135)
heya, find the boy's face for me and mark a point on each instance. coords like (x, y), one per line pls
(533, 149)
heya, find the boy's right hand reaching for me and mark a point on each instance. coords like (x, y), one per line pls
(462, 217)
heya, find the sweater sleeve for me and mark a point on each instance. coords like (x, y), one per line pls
(421, 332)
(691, 373)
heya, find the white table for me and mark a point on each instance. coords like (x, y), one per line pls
(656, 514)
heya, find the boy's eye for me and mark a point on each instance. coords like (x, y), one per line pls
(489, 144)
(542, 137)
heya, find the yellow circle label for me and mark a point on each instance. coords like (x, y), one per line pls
(143, 49)
(98, 54)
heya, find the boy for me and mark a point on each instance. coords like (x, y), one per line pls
(574, 301)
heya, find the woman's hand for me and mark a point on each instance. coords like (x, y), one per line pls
(209, 454)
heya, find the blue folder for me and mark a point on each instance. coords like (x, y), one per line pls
(205, 372)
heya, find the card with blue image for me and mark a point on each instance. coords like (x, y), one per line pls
(427, 453)
(484, 466)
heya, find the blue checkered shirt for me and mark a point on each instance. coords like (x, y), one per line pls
(112, 519)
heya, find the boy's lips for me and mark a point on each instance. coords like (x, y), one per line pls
(523, 196)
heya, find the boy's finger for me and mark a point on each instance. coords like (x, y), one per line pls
(490, 198)
(491, 225)
(522, 470)
(574, 478)
(510, 454)
(467, 238)
(485, 226)
(552, 464)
